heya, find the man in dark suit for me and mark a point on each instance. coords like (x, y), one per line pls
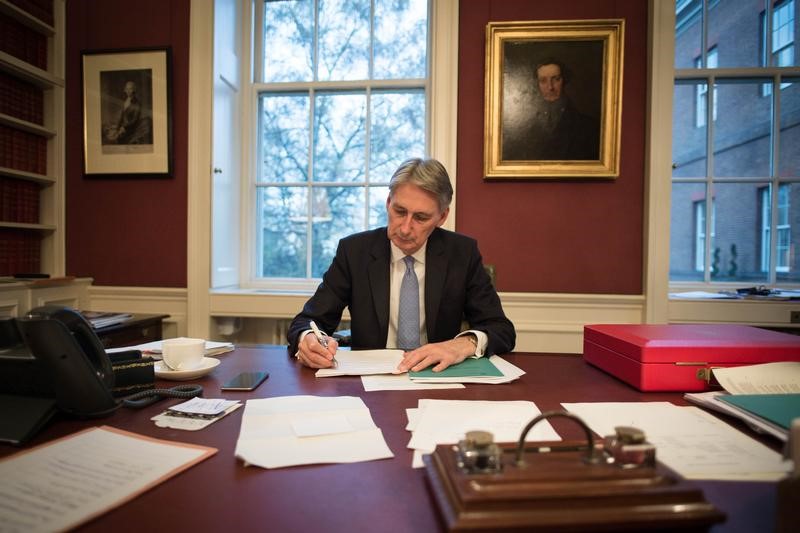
(367, 273)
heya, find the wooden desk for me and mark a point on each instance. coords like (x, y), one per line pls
(138, 329)
(220, 494)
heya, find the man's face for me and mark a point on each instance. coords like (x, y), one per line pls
(550, 82)
(130, 88)
(413, 215)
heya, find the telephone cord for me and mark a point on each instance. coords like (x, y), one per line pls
(148, 397)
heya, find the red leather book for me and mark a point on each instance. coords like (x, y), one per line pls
(677, 357)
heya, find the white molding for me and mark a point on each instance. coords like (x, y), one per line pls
(198, 245)
(544, 322)
(444, 92)
(658, 183)
(145, 300)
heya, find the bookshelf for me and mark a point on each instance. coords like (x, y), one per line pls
(32, 127)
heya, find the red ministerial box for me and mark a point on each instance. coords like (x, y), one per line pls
(677, 357)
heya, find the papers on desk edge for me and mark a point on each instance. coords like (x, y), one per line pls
(774, 402)
(492, 369)
(64, 483)
(153, 349)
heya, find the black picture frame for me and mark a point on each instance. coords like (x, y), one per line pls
(127, 112)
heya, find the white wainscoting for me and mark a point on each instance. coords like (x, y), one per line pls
(146, 301)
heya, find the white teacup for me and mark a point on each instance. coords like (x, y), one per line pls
(183, 353)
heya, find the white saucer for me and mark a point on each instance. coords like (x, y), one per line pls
(206, 365)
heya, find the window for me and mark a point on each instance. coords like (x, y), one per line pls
(701, 101)
(748, 156)
(342, 98)
(783, 227)
(700, 235)
(778, 50)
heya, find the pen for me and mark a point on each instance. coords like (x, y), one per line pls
(323, 340)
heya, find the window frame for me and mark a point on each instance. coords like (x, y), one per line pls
(710, 76)
(441, 117)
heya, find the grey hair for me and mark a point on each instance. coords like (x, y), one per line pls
(427, 174)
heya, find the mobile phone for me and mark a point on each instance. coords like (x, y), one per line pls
(245, 381)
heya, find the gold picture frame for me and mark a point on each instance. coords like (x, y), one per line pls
(553, 98)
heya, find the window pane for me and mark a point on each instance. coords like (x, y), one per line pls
(287, 45)
(283, 223)
(736, 251)
(688, 32)
(339, 136)
(688, 139)
(284, 142)
(742, 133)
(337, 212)
(742, 20)
(790, 130)
(377, 206)
(783, 34)
(400, 39)
(687, 240)
(343, 40)
(397, 131)
(788, 237)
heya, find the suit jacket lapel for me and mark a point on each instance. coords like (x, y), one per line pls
(380, 256)
(435, 274)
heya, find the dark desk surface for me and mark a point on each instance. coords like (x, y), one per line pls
(387, 495)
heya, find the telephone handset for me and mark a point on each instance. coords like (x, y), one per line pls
(69, 351)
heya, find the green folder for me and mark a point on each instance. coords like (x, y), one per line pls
(780, 409)
(468, 368)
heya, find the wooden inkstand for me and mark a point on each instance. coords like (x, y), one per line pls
(562, 486)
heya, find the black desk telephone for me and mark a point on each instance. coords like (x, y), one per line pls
(50, 360)
(65, 361)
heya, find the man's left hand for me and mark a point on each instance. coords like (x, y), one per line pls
(443, 354)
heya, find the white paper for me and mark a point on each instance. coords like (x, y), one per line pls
(768, 378)
(447, 421)
(267, 437)
(185, 423)
(203, 406)
(313, 426)
(363, 362)
(377, 382)
(61, 485)
(690, 441)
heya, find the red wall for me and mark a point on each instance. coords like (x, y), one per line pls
(554, 236)
(543, 236)
(126, 230)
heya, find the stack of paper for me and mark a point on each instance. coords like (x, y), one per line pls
(481, 370)
(689, 440)
(302, 430)
(436, 422)
(373, 362)
(99, 319)
(153, 349)
(766, 396)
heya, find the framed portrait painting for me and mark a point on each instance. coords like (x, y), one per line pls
(127, 115)
(553, 99)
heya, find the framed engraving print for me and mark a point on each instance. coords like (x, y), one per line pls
(127, 122)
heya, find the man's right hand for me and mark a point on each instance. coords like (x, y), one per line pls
(313, 354)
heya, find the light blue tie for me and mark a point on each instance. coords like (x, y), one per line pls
(408, 315)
